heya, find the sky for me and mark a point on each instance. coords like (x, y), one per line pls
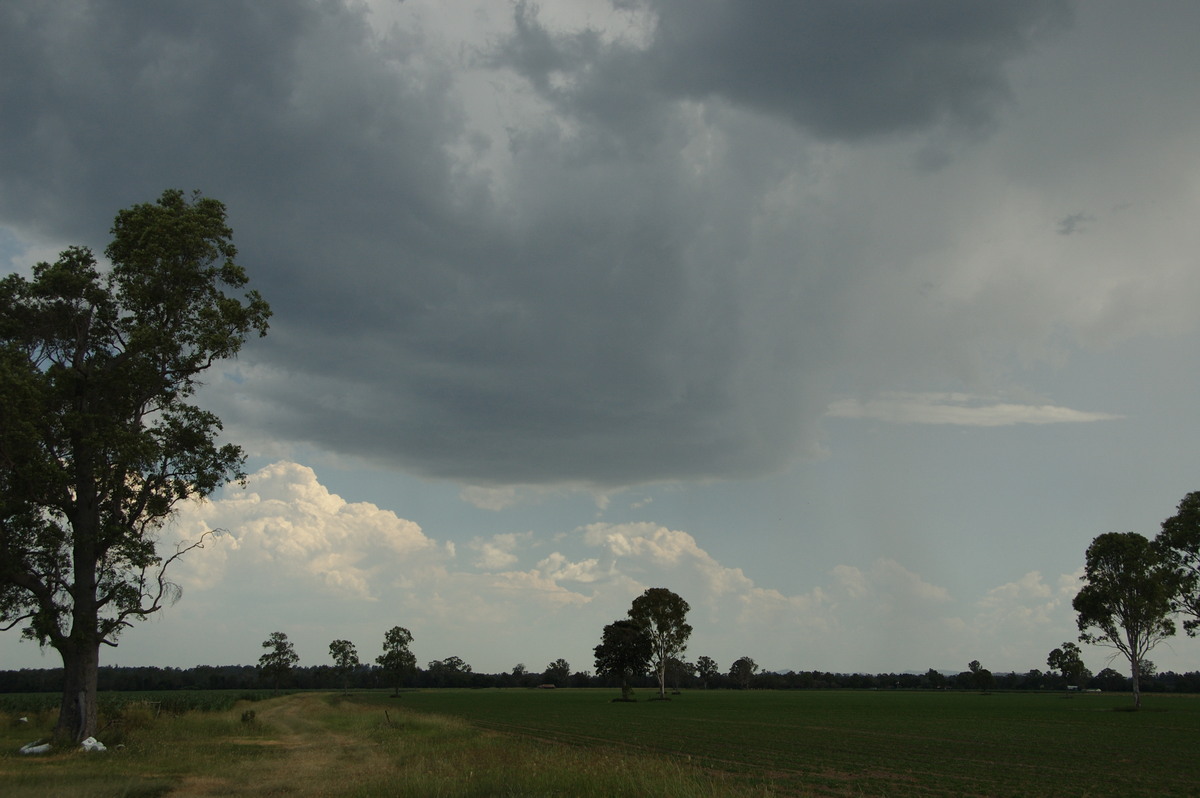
(852, 323)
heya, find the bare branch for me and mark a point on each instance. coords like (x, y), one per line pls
(166, 589)
(16, 621)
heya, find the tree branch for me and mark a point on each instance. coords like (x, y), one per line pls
(164, 587)
(16, 621)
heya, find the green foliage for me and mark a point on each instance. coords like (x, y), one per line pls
(679, 670)
(625, 651)
(663, 615)
(449, 672)
(1179, 543)
(1068, 660)
(1125, 602)
(558, 672)
(742, 671)
(345, 659)
(279, 659)
(981, 677)
(706, 669)
(99, 442)
(397, 660)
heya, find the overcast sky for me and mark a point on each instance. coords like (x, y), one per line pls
(852, 323)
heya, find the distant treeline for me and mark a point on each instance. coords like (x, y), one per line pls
(324, 677)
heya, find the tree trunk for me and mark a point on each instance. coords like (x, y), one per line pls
(77, 714)
(1135, 668)
(80, 649)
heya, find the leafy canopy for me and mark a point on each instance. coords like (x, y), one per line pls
(396, 657)
(344, 654)
(279, 658)
(1125, 602)
(345, 659)
(1179, 542)
(663, 614)
(625, 650)
(98, 441)
(558, 672)
(742, 671)
(397, 660)
(1068, 660)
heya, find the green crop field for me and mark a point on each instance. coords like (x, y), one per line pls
(578, 743)
(872, 743)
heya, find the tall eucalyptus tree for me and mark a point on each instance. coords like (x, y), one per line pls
(99, 437)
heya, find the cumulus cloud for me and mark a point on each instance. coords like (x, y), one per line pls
(497, 552)
(1027, 614)
(645, 554)
(888, 580)
(287, 546)
(650, 545)
(525, 585)
(852, 605)
(297, 557)
(559, 569)
(358, 560)
(286, 526)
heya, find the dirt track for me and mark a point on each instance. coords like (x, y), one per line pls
(299, 758)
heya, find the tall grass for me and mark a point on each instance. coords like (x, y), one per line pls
(171, 701)
(149, 750)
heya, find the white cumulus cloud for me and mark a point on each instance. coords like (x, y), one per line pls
(285, 524)
(293, 549)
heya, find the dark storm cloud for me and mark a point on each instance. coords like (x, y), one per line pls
(1075, 223)
(845, 70)
(596, 311)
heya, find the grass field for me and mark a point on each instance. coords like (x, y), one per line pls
(875, 743)
(578, 743)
